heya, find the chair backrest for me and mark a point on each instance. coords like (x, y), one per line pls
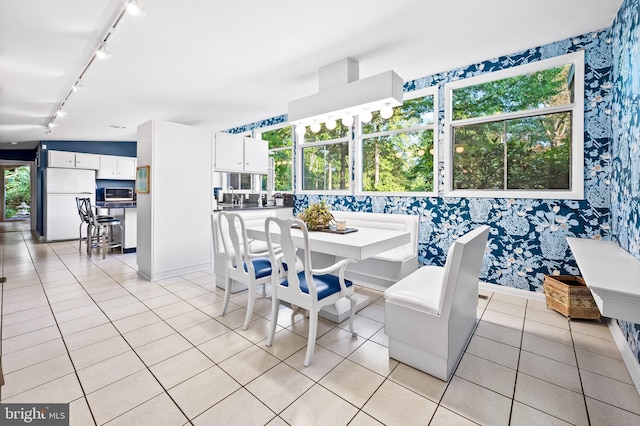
(232, 233)
(462, 269)
(84, 207)
(288, 247)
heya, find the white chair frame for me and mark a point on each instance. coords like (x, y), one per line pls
(285, 254)
(239, 260)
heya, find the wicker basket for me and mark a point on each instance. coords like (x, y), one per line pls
(570, 296)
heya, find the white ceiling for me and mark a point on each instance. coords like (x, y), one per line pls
(222, 63)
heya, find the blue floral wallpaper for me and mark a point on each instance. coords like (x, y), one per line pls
(625, 173)
(528, 236)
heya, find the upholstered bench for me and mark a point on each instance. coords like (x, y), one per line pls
(386, 268)
(430, 315)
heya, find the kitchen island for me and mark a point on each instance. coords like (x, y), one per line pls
(127, 213)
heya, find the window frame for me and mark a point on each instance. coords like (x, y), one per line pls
(300, 145)
(359, 139)
(576, 180)
(258, 135)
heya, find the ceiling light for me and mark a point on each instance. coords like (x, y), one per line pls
(420, 152)
(74, 88)
(386, 112)
(102, 52)
(315, 127)
(133, 8)
(331, 124)
(341, 93)
(14, 143)
(366, 116)
(301, 130)
(459, 149)
(51, 124)
(347, 120)
(61, 113)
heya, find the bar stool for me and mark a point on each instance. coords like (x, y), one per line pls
(100, 231)
(84, 205)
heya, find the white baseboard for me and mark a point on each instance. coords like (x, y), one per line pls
(532, 295)
(630, 361)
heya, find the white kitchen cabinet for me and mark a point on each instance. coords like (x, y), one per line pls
(234, 153)
(114, 167)
(74, 160)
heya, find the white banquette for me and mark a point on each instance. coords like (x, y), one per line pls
(389, 267)
(379, 271)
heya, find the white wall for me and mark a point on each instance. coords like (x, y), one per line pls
(174, 218)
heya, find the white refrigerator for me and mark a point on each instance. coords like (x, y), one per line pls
(62, 186)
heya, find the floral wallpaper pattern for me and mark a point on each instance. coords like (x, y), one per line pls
(528, 236)
(625, 176)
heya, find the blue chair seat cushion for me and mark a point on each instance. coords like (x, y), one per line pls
(326, 285)
(262, 266)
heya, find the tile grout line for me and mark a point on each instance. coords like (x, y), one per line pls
(75, 371)
(148, 368)
(575, 354)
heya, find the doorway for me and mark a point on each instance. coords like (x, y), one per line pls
(16, 188)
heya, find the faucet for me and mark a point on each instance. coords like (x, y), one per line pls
(233, 197)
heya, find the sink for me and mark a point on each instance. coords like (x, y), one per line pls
(226, 206)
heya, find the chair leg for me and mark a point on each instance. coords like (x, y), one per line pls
(275, 309)
(105, 241)
(352, 300)
(227, 295)
(313, 332)
(250, 302)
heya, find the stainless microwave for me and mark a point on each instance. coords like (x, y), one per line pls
(115, 194)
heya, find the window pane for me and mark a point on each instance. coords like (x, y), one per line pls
(478, 156)
(540, 89)
(539, 152)
(283, 164)
(278, 138)
(536, 155)
(326, 167)
(402, 162)
(412, 113)
(240, 181)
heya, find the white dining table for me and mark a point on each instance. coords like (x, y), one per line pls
(359, 245)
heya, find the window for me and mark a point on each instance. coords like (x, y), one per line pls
(324, 159)
(281, 152)
(397, 154)
(517, 132)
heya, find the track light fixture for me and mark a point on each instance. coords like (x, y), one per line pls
(102, 52)
(130, 7)
(133, 8)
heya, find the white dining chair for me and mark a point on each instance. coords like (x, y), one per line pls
(250, 269)
(310, 289)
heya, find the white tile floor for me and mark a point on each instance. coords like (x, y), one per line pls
(125, 351)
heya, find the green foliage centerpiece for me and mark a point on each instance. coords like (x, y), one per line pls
(316, 216)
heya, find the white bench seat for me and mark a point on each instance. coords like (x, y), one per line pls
(387, 268)
(430, 315)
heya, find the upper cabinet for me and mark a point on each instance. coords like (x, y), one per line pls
(113, 167)
(74, 160)
(234, 153)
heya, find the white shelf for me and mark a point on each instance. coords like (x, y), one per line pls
(612, 275)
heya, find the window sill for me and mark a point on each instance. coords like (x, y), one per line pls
(539, 195)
